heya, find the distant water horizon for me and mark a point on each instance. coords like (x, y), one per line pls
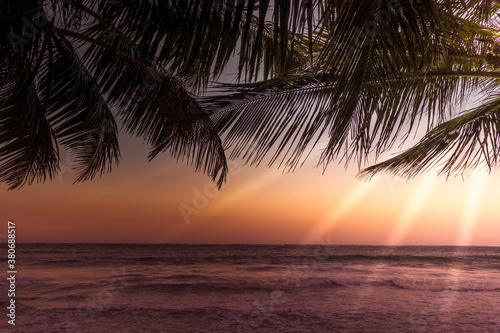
(258, 244)
(109, 287)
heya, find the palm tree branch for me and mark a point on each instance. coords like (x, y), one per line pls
(465, 141)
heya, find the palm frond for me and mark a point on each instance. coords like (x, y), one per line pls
(82, 120)
(196, 38)
(69, 98)
(367, 89)
(462, 143)
(154, 104)
(359, 73)
(28, 151)
(287, 116)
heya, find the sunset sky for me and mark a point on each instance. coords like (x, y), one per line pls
(141, 202)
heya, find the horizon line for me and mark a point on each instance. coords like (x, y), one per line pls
(255, 244)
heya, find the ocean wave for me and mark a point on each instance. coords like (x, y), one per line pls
(239, 284)
(60, 261)
(443, 285)
(69, 298)
(49, 288)
(27, 298)
(185, 276)
(270, 261)
(273, 261)
(410, 258)
(301, 283)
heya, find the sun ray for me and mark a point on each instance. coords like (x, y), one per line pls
(242, 192)
(471, 210)
(467, 224)
(412, 209)
(334, 215)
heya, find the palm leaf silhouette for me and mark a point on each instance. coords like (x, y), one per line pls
(360, 74)
(382, 69)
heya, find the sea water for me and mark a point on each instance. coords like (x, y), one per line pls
(254, 288)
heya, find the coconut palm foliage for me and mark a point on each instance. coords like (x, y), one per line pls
(360, 74)
(378, 70)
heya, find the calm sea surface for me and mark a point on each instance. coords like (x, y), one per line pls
(254, 288)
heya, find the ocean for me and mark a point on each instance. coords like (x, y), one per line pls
(254, 288)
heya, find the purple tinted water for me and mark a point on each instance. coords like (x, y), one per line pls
(255, 288)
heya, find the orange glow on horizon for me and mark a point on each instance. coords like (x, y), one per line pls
(139, 203)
